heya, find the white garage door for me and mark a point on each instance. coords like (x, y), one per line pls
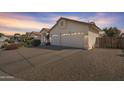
(76, 40)
(55, 40)
(72, 40)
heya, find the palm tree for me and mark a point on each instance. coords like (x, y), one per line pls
(112, 31)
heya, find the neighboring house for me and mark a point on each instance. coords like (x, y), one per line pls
(2, 39)
(45, 36)
(122, 35)
(35, 35)
(28, 34)
(73, 33)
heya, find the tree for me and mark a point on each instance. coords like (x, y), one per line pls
(35, 42)
(17, 36)
(1, 34)
(112, 31)
(23, 37)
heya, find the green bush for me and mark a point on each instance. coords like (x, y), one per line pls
(27, 43)
(36, 42)
(9, 41)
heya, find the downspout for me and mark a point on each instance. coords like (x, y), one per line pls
(60, 39)
(89, 27)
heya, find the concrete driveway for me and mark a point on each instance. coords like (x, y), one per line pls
(60, 63)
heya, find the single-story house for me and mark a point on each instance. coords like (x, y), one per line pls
(28, 34)
(35, 35)
(45, 36)
(73, 33)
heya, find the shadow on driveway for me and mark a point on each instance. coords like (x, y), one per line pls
(57, 48)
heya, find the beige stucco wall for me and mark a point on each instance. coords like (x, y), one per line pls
(87, 37)
(77, 27)
(71, 27)
(43, 38)
(92, 34)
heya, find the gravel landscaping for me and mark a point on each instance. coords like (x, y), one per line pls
(59, 63)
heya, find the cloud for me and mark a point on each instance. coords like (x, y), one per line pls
(55, 18)
(21, 23)
(13, 20)
(105, 21)
(17, 22)
(101, 14)
(122, 30)
(102, 20)
(10, 32)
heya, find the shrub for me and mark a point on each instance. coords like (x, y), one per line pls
(4, 46)
(36, 42)
(27, 43)
(6, 40)
(9, 41)
(11, 47)
(20, 44)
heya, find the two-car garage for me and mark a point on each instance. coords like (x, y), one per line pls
(69, 39)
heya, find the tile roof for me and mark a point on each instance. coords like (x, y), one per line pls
(36, 33)
(46, 29)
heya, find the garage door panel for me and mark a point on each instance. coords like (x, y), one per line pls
(69, 40)
(72, 41)
(55, 41)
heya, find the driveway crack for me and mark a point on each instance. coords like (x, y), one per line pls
(26, 59)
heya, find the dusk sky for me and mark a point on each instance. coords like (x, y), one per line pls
(20, 22)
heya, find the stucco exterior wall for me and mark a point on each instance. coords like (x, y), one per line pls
(77, 27)
(43, 38)
(55, 33)
(92, 34)
(70, 27)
